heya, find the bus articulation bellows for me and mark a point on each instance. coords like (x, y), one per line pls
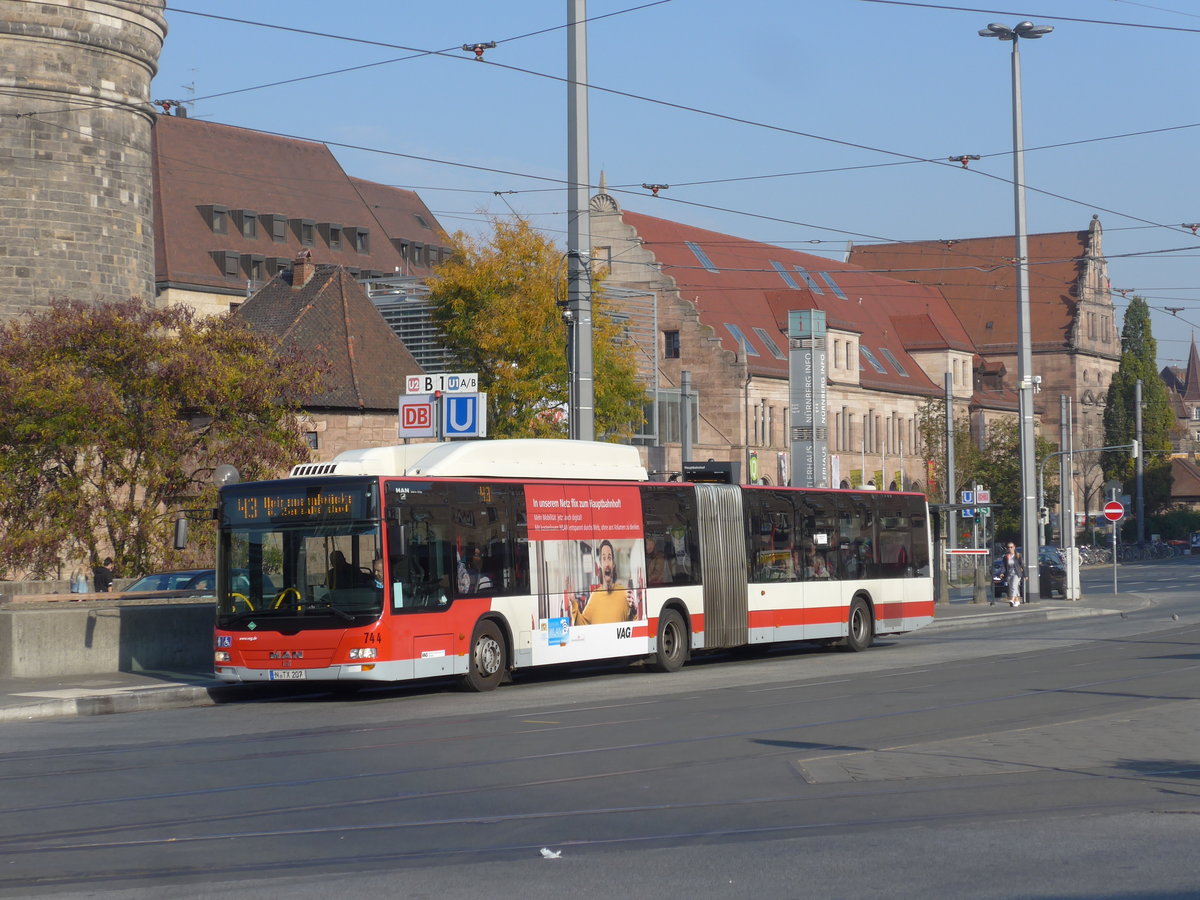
(475, 559)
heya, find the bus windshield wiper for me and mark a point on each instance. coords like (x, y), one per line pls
(332, 610)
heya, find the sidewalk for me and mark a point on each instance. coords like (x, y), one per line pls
(23, 699)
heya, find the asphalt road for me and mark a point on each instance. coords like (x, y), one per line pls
(1054, 760)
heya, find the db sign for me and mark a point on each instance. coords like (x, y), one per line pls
(416, 416)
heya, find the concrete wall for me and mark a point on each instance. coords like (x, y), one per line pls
(100, 636)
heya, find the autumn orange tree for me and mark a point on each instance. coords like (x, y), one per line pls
(496, 301)
(114, 416)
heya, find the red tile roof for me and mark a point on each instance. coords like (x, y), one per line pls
(978, 279)
(1185, 481)
(198, 164)
(753, 286)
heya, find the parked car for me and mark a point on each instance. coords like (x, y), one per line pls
(1052, 574)
(202, 581)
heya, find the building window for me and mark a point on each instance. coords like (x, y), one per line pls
(742, 339)
(248, 222)
(808, 279)
(670, 345)
(870, 357)
(360, 240)
(230, 263)
(278, 229)
(701, 256)
(1196, 413)
(833, 285)
(218, 218)
(305, 231)
(769, 342)
(310, 438)
(333, 235)
(891, 357)
(785, 275)
(255, 266)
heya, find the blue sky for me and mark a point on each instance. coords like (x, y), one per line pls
(837, 98)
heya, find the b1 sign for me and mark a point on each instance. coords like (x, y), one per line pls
(449, 383)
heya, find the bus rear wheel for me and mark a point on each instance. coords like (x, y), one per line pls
(860, 632)
(672, 645)
(487, 659)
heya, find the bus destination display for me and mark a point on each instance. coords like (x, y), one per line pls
(297, 505)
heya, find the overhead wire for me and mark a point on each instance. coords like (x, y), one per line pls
(907, 159)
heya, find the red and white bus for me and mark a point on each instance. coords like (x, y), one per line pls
(478, 558)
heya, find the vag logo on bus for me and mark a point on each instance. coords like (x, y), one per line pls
(287, 654)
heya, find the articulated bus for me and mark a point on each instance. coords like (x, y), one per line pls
(475, 559)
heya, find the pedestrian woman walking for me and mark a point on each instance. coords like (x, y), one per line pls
(1014, 573)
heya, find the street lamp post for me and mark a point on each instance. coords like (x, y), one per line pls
(1026, 383)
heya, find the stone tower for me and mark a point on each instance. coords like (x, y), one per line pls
(76, 193)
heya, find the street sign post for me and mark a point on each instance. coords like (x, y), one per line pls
(1113, 511)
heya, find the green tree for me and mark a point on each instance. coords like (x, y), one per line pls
(113, 416)
(495, 301)
(993, 461)
(1139, 355)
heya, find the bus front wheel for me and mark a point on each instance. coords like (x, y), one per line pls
(860, 632)
(672, 646)
(487, 659)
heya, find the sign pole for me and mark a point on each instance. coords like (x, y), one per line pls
(1113, 511)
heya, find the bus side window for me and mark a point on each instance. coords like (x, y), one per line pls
(669, 515)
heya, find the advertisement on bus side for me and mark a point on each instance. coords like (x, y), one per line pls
(588, 570)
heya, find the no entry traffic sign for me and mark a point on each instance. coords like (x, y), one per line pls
(1113, 511)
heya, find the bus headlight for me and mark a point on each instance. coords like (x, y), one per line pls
(364, 652)
(222, 656)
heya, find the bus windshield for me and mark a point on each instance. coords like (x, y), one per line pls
(314, 565)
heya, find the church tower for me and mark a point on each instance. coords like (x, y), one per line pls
(76, 192)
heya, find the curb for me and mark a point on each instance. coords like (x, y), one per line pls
(173, 697)
(982, 620)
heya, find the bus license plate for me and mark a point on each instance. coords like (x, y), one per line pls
(287, 674)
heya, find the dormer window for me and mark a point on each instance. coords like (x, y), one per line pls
(305, 231)
(359, 239)
(229, 261)
(218, 218)
(332, 233)
(247, 220)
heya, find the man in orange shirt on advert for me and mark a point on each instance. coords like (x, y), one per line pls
(609, 602)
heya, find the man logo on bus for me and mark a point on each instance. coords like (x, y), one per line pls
(417, 416)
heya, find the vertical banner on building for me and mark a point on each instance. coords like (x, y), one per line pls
(809, 400)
